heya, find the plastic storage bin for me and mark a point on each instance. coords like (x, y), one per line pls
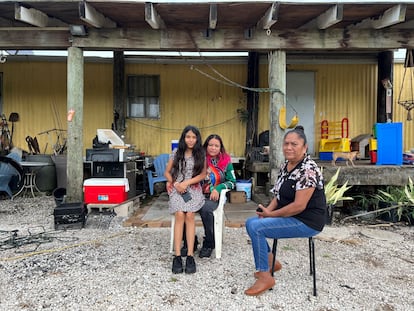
(389, 143)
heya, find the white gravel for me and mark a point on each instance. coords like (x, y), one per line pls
(106, 266)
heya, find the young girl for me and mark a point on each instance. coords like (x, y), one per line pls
(185, 170)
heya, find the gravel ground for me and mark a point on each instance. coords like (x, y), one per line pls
(106, 266)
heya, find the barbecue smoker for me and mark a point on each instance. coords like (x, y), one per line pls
(110, 157)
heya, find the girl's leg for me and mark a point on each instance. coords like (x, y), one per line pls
(178, 232)
(190, 232)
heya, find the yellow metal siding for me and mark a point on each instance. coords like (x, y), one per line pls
(399, 113)
(341, 91)
(37, 91)
(188, 97)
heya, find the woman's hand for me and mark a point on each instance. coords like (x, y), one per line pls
(262, 211)
(214, 195)
(169, 187)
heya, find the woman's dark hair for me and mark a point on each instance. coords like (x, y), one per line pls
(215, 136)
(198, 153)
(300, 131)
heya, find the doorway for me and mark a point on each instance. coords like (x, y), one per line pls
(300, 96)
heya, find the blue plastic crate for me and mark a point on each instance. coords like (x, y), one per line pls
(389, 143)
(325, 156)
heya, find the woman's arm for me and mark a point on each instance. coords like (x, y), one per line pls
(182, 186)
(302, 198)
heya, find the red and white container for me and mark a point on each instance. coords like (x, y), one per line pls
(105, 190)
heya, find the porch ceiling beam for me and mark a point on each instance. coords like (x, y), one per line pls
(90, 15)
(34, 38)
(270, 17)
(212, 21)
(327, 19)
(152, 17)
(390, 17)
(233, 40)
(35, 17)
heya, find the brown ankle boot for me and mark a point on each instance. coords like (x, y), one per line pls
(262, 284)
(277, 266)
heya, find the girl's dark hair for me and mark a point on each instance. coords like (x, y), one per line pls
(215, 136)
(300, 131)
(198, 153)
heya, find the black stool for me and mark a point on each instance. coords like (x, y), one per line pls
(311, 260)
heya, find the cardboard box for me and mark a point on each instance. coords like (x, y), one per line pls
(237, 197)
(105, 190)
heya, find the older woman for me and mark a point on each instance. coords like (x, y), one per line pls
(297, 209)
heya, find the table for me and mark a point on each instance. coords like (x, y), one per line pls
(29, 181)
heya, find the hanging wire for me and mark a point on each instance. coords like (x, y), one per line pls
(227, 80)
(180, 129)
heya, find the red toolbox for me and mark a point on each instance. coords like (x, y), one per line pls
(105, 190)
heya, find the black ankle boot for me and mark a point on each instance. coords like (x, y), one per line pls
(190, 265)
(177, 266)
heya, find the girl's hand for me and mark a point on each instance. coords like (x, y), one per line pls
(180, 187)
(214, 195)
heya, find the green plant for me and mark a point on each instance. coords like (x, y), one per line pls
(400, 198)
(364, 201)
(335, 193)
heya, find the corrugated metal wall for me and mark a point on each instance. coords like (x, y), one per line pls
(407, 93)
(189, 97)
(347, 91)
(37, 91)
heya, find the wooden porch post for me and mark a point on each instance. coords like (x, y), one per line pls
(384, 96)
(119, 92)
(74, 168)
(277, 81)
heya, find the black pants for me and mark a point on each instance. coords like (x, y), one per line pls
(206, 213)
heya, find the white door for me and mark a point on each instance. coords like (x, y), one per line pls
(300, 96)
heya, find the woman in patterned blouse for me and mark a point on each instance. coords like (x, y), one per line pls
(297, 209)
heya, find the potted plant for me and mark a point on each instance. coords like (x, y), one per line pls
(334, 194)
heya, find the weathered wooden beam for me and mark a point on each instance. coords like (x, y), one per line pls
(30, 16)
(390, 17)
(327, 19)
(233, 40)
(277, 81)
(212, 20)
(91, 16)
(152, 17)
(75, 87)
(34, 38)
(269, 18)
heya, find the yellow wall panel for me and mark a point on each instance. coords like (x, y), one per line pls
(37, 91)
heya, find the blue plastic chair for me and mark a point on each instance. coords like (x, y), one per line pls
(160, 164)
(9, 167)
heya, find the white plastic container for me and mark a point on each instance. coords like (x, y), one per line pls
(246, 186)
